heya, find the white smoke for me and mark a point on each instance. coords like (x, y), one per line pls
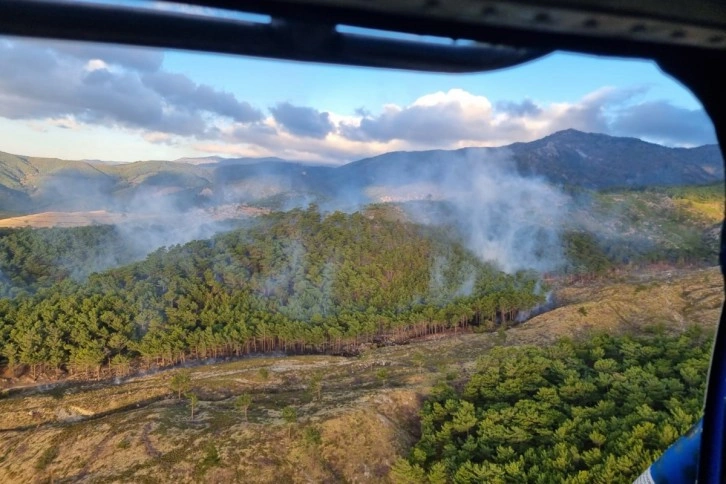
(506, 219)
(509, 220)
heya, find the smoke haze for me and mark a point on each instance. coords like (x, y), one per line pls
(506, 204)
(506, 219)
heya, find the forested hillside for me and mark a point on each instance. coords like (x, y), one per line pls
(301, 281)
(615, 228)
(598, 230)
(675, 224)
(591, 411)
(34, 259)
(295, 281)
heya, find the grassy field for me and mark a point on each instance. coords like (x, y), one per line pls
(363, 419)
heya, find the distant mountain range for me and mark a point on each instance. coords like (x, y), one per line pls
(567, 158)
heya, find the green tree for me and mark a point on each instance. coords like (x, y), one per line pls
(181, 382)
(315, 385)
(289, 415)
(403, 472)
(243, 403)
(599, 410)
(193, 402)
(382, 375)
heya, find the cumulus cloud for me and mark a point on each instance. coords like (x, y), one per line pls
(302, 121)
(111, 86)
(457, 118)
(143, 60)
(269, 138)
(662, 122)
(434, 118)
(77, 85)
(524, 108)
(182, 92)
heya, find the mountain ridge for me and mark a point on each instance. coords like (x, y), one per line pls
(569, 158)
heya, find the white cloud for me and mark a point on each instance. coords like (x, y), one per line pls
(122, 88)
(96, 64)
(452, 120)
(476, 105)
(157, 137)
(83, 86)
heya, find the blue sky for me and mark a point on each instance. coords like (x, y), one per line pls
(559, 76)
(92, 101)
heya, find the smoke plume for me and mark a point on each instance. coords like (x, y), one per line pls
(507, 219)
